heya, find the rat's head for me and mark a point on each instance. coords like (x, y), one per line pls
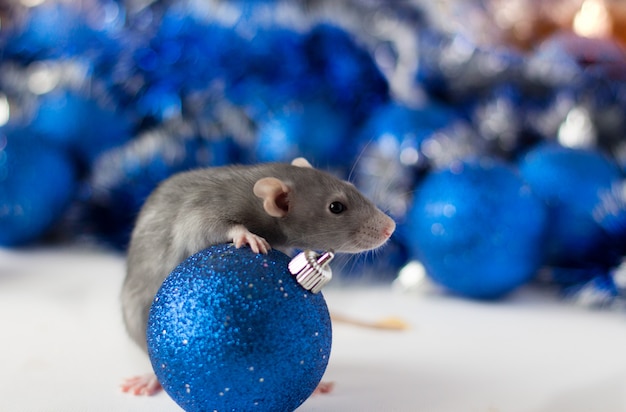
(316, 210)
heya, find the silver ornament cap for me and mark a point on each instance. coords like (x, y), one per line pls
(311, 269)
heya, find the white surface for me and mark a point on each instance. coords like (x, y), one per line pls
(64, 349)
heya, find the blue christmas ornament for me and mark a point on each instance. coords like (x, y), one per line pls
(477, 229)
(37, 184)
(232, 330)
(309, 129)
(571, 182)
(80, 125)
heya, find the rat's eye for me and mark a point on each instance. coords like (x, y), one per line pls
(336, 207)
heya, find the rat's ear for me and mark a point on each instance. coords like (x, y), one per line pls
(274, 194)
(301, 162)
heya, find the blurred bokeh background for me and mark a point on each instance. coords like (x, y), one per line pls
(492, 131)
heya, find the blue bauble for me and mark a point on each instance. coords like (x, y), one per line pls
(477, 228)
(80, 125)
(232, 330)
(570, 182)
(311, 129)
(37, 184)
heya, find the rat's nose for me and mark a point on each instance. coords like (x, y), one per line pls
(389, 228)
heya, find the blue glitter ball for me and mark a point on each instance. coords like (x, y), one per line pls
(477, 228)
(571, 183)
(37, 184)
(232, 330)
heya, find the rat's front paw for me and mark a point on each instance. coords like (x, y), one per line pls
(242, 236)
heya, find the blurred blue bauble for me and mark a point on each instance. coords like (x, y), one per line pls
(122, 178)
(232, 330)
(37, 184)
(477, 228)
(570, 182)
(310, 129)
(80, 125)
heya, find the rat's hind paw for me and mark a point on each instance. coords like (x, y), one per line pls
(147, 385)
(324, 387)
(242, 236)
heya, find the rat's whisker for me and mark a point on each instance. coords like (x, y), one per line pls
(358, 159)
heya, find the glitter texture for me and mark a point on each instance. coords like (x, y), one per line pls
(231, 330)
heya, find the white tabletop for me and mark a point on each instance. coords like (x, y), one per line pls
(64, 348)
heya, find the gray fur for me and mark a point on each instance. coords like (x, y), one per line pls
(193, 210)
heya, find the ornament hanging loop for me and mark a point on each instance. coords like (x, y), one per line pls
(311, 269)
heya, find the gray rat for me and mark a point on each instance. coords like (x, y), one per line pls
(267, 205)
